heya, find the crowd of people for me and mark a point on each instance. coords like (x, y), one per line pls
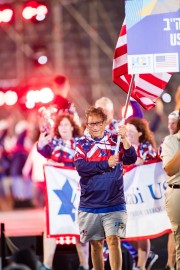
(90, 149)
(58, 147)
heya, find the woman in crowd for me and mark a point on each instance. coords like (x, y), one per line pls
(141, 137)
(171, 163)
(59, 149)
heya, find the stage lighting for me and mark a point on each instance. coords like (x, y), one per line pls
(66, 240)
(2, 98)
(40, 56)
(166, 97)
(34, 10)
(46, 95)
(11, 98)
(42, 60)
(6, 14)
(30, 105)
(43, 95)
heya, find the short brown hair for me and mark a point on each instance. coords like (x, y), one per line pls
(96, 111)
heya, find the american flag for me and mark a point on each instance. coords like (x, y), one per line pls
(147, 87)
(166, 60)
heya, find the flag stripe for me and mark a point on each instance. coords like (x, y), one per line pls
(147, 87)
(121, 63)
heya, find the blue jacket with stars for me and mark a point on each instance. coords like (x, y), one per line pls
(60, 152)
(101, 186)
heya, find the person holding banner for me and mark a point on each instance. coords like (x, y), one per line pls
(102, 210)
(59, 149)
(141, 137)
(171, 163)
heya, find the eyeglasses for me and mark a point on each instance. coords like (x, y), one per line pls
(98, 124)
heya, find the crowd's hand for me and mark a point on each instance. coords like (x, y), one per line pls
(113, 160)
(122, 131)
(44, 139)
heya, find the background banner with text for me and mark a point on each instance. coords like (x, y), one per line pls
(153, 36)
(144, 186)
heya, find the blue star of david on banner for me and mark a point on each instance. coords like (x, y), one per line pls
(65, 196)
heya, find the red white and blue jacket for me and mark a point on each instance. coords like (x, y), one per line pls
(101, 186)
(59, 151)
(146, 151)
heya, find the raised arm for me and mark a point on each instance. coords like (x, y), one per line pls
(43, 145)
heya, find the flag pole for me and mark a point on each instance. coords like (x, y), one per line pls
(125, 111)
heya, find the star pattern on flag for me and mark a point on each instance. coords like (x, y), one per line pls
(65, 196)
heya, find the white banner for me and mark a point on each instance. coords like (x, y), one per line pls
(144, 193)
(63, 194)
(145, 187)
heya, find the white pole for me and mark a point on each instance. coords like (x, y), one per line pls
(125, 112)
